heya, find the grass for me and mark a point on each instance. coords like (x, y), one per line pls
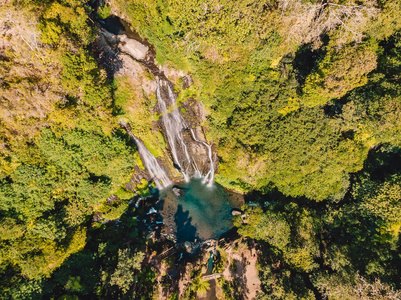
(104, 11)
(136, 109)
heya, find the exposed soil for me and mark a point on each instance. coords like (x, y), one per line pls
(245, 271)
(239, 266)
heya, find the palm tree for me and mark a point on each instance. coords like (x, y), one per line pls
(199, 286)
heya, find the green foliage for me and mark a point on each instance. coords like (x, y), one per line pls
(282, 284)
(382, 201)
(247, 77)
(355, 287)
(285, 124)
(136, 108)
(388, 21)
(105, 268)
(199, 286)
(339, 72)
(65, 16)
(50, 196)
(83, 80)
(73, 284)
(27, 290)
(124, 275)
(75, 212)
(115, 211)
(269, 227)
(104, 11)
(61, 156)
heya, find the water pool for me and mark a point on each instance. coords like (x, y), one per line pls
(195, 211)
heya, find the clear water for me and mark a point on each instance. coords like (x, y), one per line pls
(113, 24)
(200, 212)
(210, 264)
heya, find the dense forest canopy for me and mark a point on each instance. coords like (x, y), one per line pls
(303, 101)
(269, 71)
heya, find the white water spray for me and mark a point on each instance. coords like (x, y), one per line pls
(150, 162)
(174, 126)
(210, 175)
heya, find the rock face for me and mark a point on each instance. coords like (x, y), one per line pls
(132, 47)
(236, 212)
(112, 199)
(191, 155)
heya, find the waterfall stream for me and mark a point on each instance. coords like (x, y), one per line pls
(191, 155)
(175, 126)
(191, 210)
(150, 162)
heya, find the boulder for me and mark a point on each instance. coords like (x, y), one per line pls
(236, 212)
(178, 192)
(132, 47)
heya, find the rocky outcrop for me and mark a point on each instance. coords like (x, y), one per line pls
(112, 199)
(132, 47)
(190, 152)
(236, 212)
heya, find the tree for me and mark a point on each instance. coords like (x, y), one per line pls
(354, 288)
(381, 200)
(339, 72)
(270, 227)
(128, 265)
(199, 286)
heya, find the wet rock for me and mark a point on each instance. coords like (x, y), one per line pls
(188, 247)
(152, 211)
(187, 81)
(106, 53)
(97, 217)
(172, 74)
(178, 192)
(111, 38)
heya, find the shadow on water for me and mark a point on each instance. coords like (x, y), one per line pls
(113, 24)
(185, 230)
(195, 211)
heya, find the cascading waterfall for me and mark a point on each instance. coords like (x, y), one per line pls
(174, 125)
(192, 210)
(209, 177)
(152, 166)
(150, 162)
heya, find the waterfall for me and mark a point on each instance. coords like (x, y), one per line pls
(174, 125)
(184, 149)
(209, 177)
(150, 162)
(152, 165)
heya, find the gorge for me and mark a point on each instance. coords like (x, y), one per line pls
(231, 149)
(201, 210)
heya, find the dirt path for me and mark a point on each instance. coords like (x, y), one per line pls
(252, 278)
(245, 269)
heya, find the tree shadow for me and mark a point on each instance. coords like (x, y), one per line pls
(185, 230)
(306, 61)
(107, 56)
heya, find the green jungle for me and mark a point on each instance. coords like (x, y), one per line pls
(303, 106)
